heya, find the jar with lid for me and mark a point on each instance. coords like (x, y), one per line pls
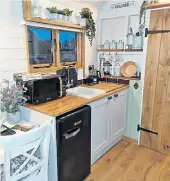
(120, 44)
(113, 45)
(36, 9)
(107, 45)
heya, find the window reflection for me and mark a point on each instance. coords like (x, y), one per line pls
(68, 46)
(40, 46)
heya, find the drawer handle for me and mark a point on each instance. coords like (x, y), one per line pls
(116, 95)
(110, 98)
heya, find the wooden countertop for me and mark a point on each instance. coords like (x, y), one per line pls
(69, 102)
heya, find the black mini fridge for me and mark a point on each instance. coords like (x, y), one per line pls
(74, 145)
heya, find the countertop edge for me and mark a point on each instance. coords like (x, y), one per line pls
(86, 101)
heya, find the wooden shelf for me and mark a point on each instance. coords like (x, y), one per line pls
(57, 23)
(122, 77)
(157, 5)
(120, 50)
(27, 14)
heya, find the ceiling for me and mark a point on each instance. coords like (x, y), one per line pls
(92, 2)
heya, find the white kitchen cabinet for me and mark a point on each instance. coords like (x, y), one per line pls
(99, 129)
(108, 123)
(117, 116)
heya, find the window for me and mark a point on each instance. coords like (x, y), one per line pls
(49, 50)
(68, 46)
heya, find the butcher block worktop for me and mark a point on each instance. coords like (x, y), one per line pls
(70, 102)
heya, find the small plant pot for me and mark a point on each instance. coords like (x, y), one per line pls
(83, 21)
(65, 18)
(69, 18)
(53, 16)
(13, 118)
(60, 17)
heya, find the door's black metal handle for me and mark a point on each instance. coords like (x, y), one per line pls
(116, 95)
(110, 98)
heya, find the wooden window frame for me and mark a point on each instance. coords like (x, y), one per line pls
(80, 63)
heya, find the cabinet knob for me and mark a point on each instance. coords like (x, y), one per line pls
(110, 98)
(116, 95)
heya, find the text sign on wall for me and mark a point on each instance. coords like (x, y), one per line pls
(123, 5)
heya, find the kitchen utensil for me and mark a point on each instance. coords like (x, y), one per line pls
(129, 69)
(120, 44)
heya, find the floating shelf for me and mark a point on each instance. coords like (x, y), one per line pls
(157, 5)
(57, 23)
(122, 77)
(27, 14)
(119, 50)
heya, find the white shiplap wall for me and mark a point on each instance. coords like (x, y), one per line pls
(12, 42)
(12, 46)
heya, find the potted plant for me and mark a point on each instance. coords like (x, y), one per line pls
(60, 14)
(90, 24)
(53, 12)
(12, 97)
(67, 14)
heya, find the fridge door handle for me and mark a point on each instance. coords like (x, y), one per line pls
(70, 135)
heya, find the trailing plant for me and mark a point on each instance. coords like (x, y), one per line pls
(52, 9)
(12, 97)
(67, 12)
(90, 24)
(142, 16)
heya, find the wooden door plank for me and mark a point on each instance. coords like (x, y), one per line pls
(165, 139)
(161, 87)
(150, 76)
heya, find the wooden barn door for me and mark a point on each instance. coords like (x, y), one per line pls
(156, 103)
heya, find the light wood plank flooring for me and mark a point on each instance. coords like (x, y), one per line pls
(130, 162)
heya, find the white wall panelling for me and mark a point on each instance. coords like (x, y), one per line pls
(12, 34)
(131, 18)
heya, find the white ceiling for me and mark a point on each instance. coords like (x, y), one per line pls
(92, 2)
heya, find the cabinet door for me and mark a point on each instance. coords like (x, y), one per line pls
(117, 116)
(100, 129)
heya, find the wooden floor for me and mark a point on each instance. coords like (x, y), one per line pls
(129, 162)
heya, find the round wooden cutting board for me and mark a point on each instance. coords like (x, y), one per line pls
(129, 69)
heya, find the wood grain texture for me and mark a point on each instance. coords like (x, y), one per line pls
(156, 110)
(129, 162)
(150, 76)
(158, 5)
(27, 9)
(56, 23)
(161, 85)
(69, 102)
(121, 77)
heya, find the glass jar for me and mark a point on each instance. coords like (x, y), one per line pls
(36, 10)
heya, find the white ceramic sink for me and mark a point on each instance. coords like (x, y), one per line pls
(85, 92)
